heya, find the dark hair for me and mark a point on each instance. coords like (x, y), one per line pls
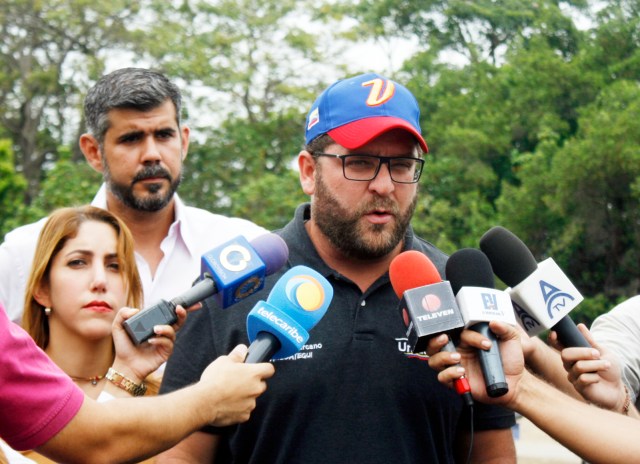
(127, 88)
(318, 144)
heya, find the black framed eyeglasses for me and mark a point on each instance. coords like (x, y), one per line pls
(403, 170)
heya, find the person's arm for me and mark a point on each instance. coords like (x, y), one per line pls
(131, 429)
(595, 434)
(489, 447)
(545, 361)
(197, 447)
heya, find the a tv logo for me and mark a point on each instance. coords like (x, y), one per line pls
(431, 303)
(236, 269)
(529, 323)
(536, 291)
(554, 298)
(482, 304)
(489, 301)
(296, 303)
(305, 291)
(235, 258)
(271, 317)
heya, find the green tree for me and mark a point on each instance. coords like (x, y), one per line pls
(479, 31)
(238, 154)
(596, 178)
(12, 187)
(262, 65)
(269, 200)
(48, 50)
(67, 183)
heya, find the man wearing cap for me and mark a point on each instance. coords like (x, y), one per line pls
(353, 394)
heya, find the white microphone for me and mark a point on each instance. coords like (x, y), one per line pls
(471, 277)
(542, 294)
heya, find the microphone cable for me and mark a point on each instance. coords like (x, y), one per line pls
(471, 434)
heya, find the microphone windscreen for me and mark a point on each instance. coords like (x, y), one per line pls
(411, 269)
(510, 258)
(273, 251)
(469, 267)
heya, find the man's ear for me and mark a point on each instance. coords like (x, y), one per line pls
(307, 168)
(91, 151)
(184, 140)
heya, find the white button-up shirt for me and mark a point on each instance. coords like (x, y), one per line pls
(193, 232)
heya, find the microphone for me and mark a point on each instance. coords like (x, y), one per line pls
(542, 294)
(231, 272)
(279, 327)
(471, 277)
(428, 306)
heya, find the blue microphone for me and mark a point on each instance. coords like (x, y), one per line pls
(279, 327)
(231, 272)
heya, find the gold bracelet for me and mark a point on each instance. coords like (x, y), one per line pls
(126, 384)
(627, 401)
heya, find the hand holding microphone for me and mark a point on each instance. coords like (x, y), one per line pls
(231, 272)
(279, 327)
(542, 294)
(471, 277)
(428, 306)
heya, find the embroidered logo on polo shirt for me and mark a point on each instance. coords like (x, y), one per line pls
(306, 352)
(405, 348)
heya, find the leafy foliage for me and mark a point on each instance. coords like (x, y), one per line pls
(531, 120)
(12, 188)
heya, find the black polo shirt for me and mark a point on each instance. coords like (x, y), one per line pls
(352, 394)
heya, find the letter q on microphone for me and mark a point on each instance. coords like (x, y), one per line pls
(238, 267)
(279, 327)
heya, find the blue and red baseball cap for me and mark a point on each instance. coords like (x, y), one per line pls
(354, 111)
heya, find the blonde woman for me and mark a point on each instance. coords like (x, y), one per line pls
(83, 272)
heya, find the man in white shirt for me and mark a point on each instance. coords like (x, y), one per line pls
(136, 140)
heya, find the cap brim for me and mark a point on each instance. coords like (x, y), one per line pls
(358, 133)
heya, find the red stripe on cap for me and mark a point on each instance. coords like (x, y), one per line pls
(411, 269)
(358, 133)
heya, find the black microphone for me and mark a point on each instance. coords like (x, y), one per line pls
(230, 272)
(279, 327)
(542, 294)
(471, 277)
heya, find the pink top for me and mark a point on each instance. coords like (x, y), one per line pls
(37, 399)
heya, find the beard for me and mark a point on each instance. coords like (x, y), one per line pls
(155, 200)
(349, 234)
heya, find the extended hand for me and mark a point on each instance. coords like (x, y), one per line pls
(594, 372)
(138, 361)
(467, 356)
(234, 386)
